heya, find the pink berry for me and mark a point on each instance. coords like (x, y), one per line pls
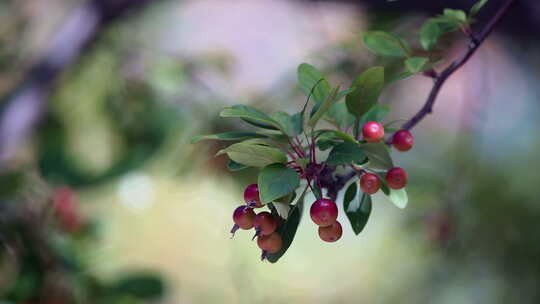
(265, 223)
(370, 183)
(373, 131)
(324, 212)
(251, 196)
(403, 140)
(331, 233)
(243, 217)
(396, 178)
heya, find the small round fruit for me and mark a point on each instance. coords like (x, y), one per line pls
(265, 223)
(403, 140)
(396, 178)
(324, 212)
(373, 131)
(331, 233)
(243, 216)
(271, 243)
(370, 183)
(251, 196)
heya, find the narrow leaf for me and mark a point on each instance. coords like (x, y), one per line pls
(254, 155)
(227, 136)
(234, 166)
(476, 7)
(251, 115)
(325, 106)
(357, 209)
(309, 78)
(433, 28)
(416, 64)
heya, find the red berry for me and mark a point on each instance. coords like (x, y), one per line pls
(396, 178)
(251, 196)
(373, 131)
(331, 233)
(271, 243)
(265, 223)
(66, 209)
(243, 216)
(370, 183)
(324, 212)
(403, 140)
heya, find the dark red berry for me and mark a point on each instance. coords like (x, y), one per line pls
(403, 140)
(331, 233)
(270, 243)
(396, 178)
(370, 183)
(251, 196)
(66, 209)
(324, 212)
(373, 131)
(243, 216)
(265, 223)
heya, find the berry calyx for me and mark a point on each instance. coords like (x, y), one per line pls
(370, 183)
(251, 196)
(270, 243)
(265, 223)
(243, 217)
(324, 212)
(403, 140)
(396, 178)
(373, 131)
(331, 233)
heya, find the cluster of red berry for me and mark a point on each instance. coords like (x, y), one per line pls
(396, 177)
(265, 224)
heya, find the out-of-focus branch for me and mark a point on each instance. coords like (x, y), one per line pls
(22, 109)
(440, 78)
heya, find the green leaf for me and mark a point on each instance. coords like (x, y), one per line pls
(416, 64)
(254, 155)
(286, 121)
(142, 286)
(339, 134)
(454, 13)
(398, 77)
(357, 209)
(308, 77)
(368, 88)
(275, 181)
(325, 144)
(476, 7)
(377, 113)
(345, 153)
(234, 166)
(252, 116)
(297, 123)
(325, 106)
(282, 209)
(378, 155)
(398, 197)
(339, 112)
(386, 44)
(287, 229)
(259, 124)
(227, 136)
(343, 93)
(433, 28)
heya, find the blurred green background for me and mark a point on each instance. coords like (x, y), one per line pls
(119, 120)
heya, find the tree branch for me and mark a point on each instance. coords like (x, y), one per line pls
(440, 79)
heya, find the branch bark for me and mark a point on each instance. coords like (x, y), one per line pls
(440, 79)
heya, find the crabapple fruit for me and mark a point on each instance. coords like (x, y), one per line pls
(370, 183)
(265, 223)
(331, 233)
(403, 140)
(373, 131)
(251, 196)
(271, 243)
(324, 212)
(396, 178)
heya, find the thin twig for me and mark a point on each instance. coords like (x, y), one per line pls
(440, 79)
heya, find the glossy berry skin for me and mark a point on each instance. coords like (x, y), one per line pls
(270, 243)
(396, 178)
(265, 223)
(373, 131)
(331, 233)
(403, 140)
(243, 216)
(251, 196)
(324, 212)
(370, 183)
